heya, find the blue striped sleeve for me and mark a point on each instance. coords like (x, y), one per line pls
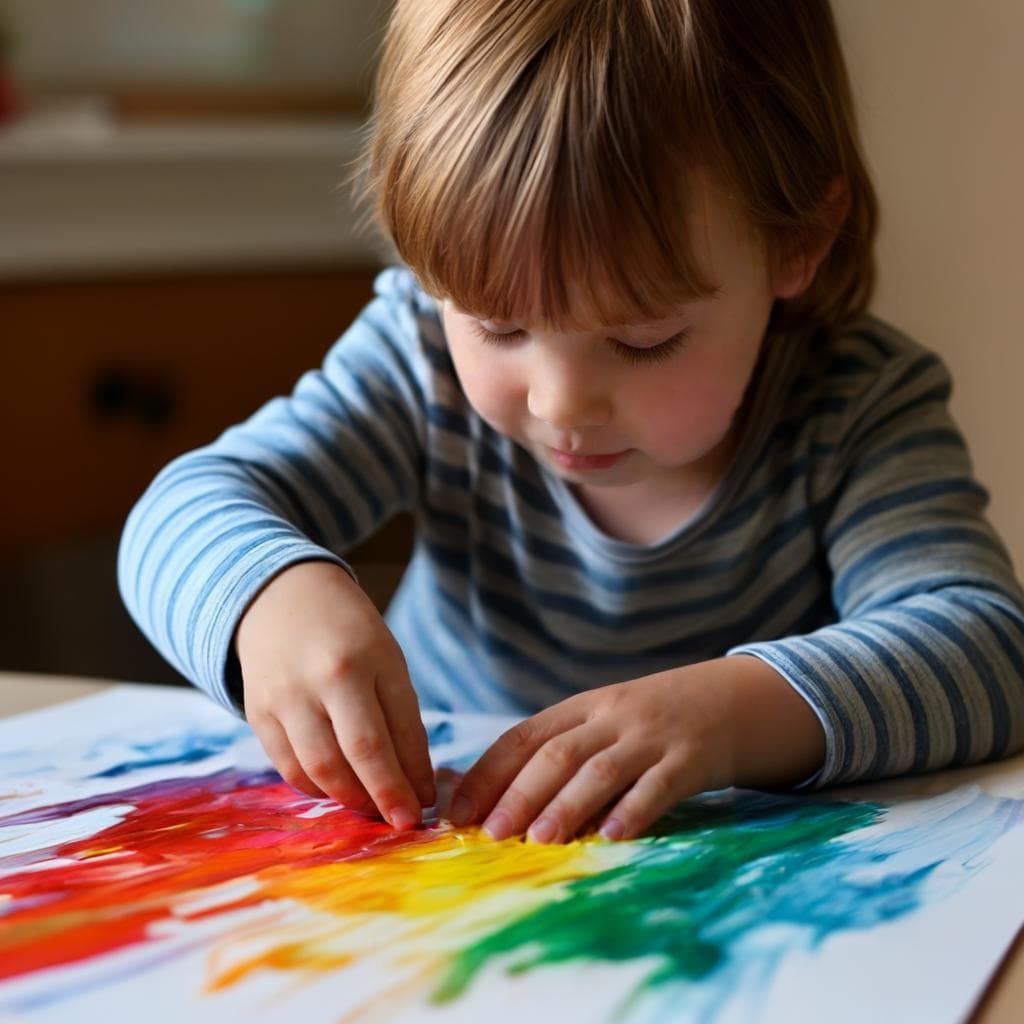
(305, 478)
(922, 668)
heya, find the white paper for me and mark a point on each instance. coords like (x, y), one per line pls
(151, 862)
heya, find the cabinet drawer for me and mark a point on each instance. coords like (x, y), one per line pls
(106, 382)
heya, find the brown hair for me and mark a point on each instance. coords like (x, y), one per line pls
(531, 157)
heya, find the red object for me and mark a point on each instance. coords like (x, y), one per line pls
(10, 101)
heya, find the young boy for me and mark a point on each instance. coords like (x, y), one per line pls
(678, 497)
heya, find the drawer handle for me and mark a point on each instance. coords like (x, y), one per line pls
(121, 394)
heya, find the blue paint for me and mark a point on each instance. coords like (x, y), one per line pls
(731, 886)
(178, 749)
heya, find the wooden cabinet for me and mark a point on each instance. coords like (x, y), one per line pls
(105, 382)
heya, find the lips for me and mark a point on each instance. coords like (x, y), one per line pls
(581, 463)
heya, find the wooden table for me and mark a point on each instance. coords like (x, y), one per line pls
(1003, 1003)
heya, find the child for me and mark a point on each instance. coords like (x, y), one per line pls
(678, 497)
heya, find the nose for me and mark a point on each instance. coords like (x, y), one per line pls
(567, 395)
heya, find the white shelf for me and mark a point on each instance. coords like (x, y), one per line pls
(80, 195)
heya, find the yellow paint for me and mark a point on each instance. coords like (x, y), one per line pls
(424, 898)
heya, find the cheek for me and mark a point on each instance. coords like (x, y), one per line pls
(490, 385)
(693, 410)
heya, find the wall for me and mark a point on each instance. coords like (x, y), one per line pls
(940, 85)
(260, 43)
(941, 89)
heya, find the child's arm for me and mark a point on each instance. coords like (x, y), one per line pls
(924, 668)
(328, 694)
(279, 498)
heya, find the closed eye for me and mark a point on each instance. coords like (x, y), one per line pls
(635, 354)
(650, 353)
(496, 337)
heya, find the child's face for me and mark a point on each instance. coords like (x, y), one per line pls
(618, 405)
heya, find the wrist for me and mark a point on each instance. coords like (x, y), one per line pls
(778, 739)
(284, 595)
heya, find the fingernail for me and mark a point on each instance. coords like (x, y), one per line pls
(613, 829)
(401, 820)
(462, 811)
(498, 825)
(543, 830)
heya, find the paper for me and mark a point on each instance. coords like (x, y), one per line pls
(152, 862)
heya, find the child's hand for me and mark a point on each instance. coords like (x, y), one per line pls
(642, 746)
(327, 692)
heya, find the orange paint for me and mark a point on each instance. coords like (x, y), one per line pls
(183, 842)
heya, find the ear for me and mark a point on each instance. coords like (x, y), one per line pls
(794, 272)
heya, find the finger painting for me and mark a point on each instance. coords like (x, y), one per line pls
(151, 860)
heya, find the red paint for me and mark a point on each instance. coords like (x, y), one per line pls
(182, 836)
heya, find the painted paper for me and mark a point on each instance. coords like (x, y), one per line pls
(151, 861)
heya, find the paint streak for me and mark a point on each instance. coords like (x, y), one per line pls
(178, 837)
(184, 748)
(690, 894)
(183, 838)
(436, 907)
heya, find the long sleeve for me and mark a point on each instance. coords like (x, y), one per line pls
(924, 667)
(305, 478)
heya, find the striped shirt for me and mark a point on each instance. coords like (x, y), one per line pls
(846, 544)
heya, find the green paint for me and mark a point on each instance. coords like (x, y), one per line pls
(706, 876)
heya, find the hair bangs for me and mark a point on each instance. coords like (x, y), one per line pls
(535, 162)
(547, 206)
(539, 257)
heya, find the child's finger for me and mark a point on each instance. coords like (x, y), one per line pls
(274, 739)
(363, 731)
(316, 748)
(655, 793)
(493, 773)
(402, 714)
(602, 777)
(543, 796)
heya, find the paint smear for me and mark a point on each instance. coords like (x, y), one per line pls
(294, 886)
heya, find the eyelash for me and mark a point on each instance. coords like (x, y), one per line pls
(654, 354)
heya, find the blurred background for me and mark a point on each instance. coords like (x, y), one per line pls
(175, 249)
